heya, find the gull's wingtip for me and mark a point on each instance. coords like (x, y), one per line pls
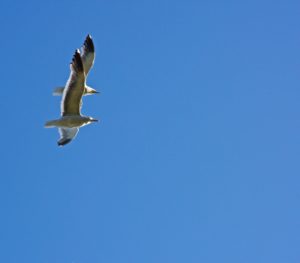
(77, 62)
(77, 52)
(63, 142)
(88, 44)
(76, 55)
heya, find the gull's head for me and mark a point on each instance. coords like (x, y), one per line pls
(91, 91)
(93, 120)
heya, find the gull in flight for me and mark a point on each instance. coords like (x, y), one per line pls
(88, 58)
(71, 119)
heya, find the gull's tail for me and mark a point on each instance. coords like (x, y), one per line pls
(58, 91)
(51, 124)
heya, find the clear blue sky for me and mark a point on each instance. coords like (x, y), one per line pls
(196, 157)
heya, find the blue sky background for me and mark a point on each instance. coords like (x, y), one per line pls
(196, 157)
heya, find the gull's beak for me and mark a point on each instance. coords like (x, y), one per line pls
(94, 120)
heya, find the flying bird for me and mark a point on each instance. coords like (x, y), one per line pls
(71, 119)
(88, 58)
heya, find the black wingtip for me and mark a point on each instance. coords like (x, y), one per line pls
(77, 62)
(63, 142)
(77, 53)
(89, 44)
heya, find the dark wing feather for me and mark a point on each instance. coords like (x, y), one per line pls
(71, 99)
(88, 54)
(66, 135)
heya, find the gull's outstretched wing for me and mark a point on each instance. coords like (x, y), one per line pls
(88, 54)
(66, 135)
(71, 99)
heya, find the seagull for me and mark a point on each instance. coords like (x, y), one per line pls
(71, 119)
(88, 58)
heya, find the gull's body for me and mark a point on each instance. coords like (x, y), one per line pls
(71, 119)
(88, 58)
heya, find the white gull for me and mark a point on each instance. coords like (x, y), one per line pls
(71, 119)
(88, 58)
